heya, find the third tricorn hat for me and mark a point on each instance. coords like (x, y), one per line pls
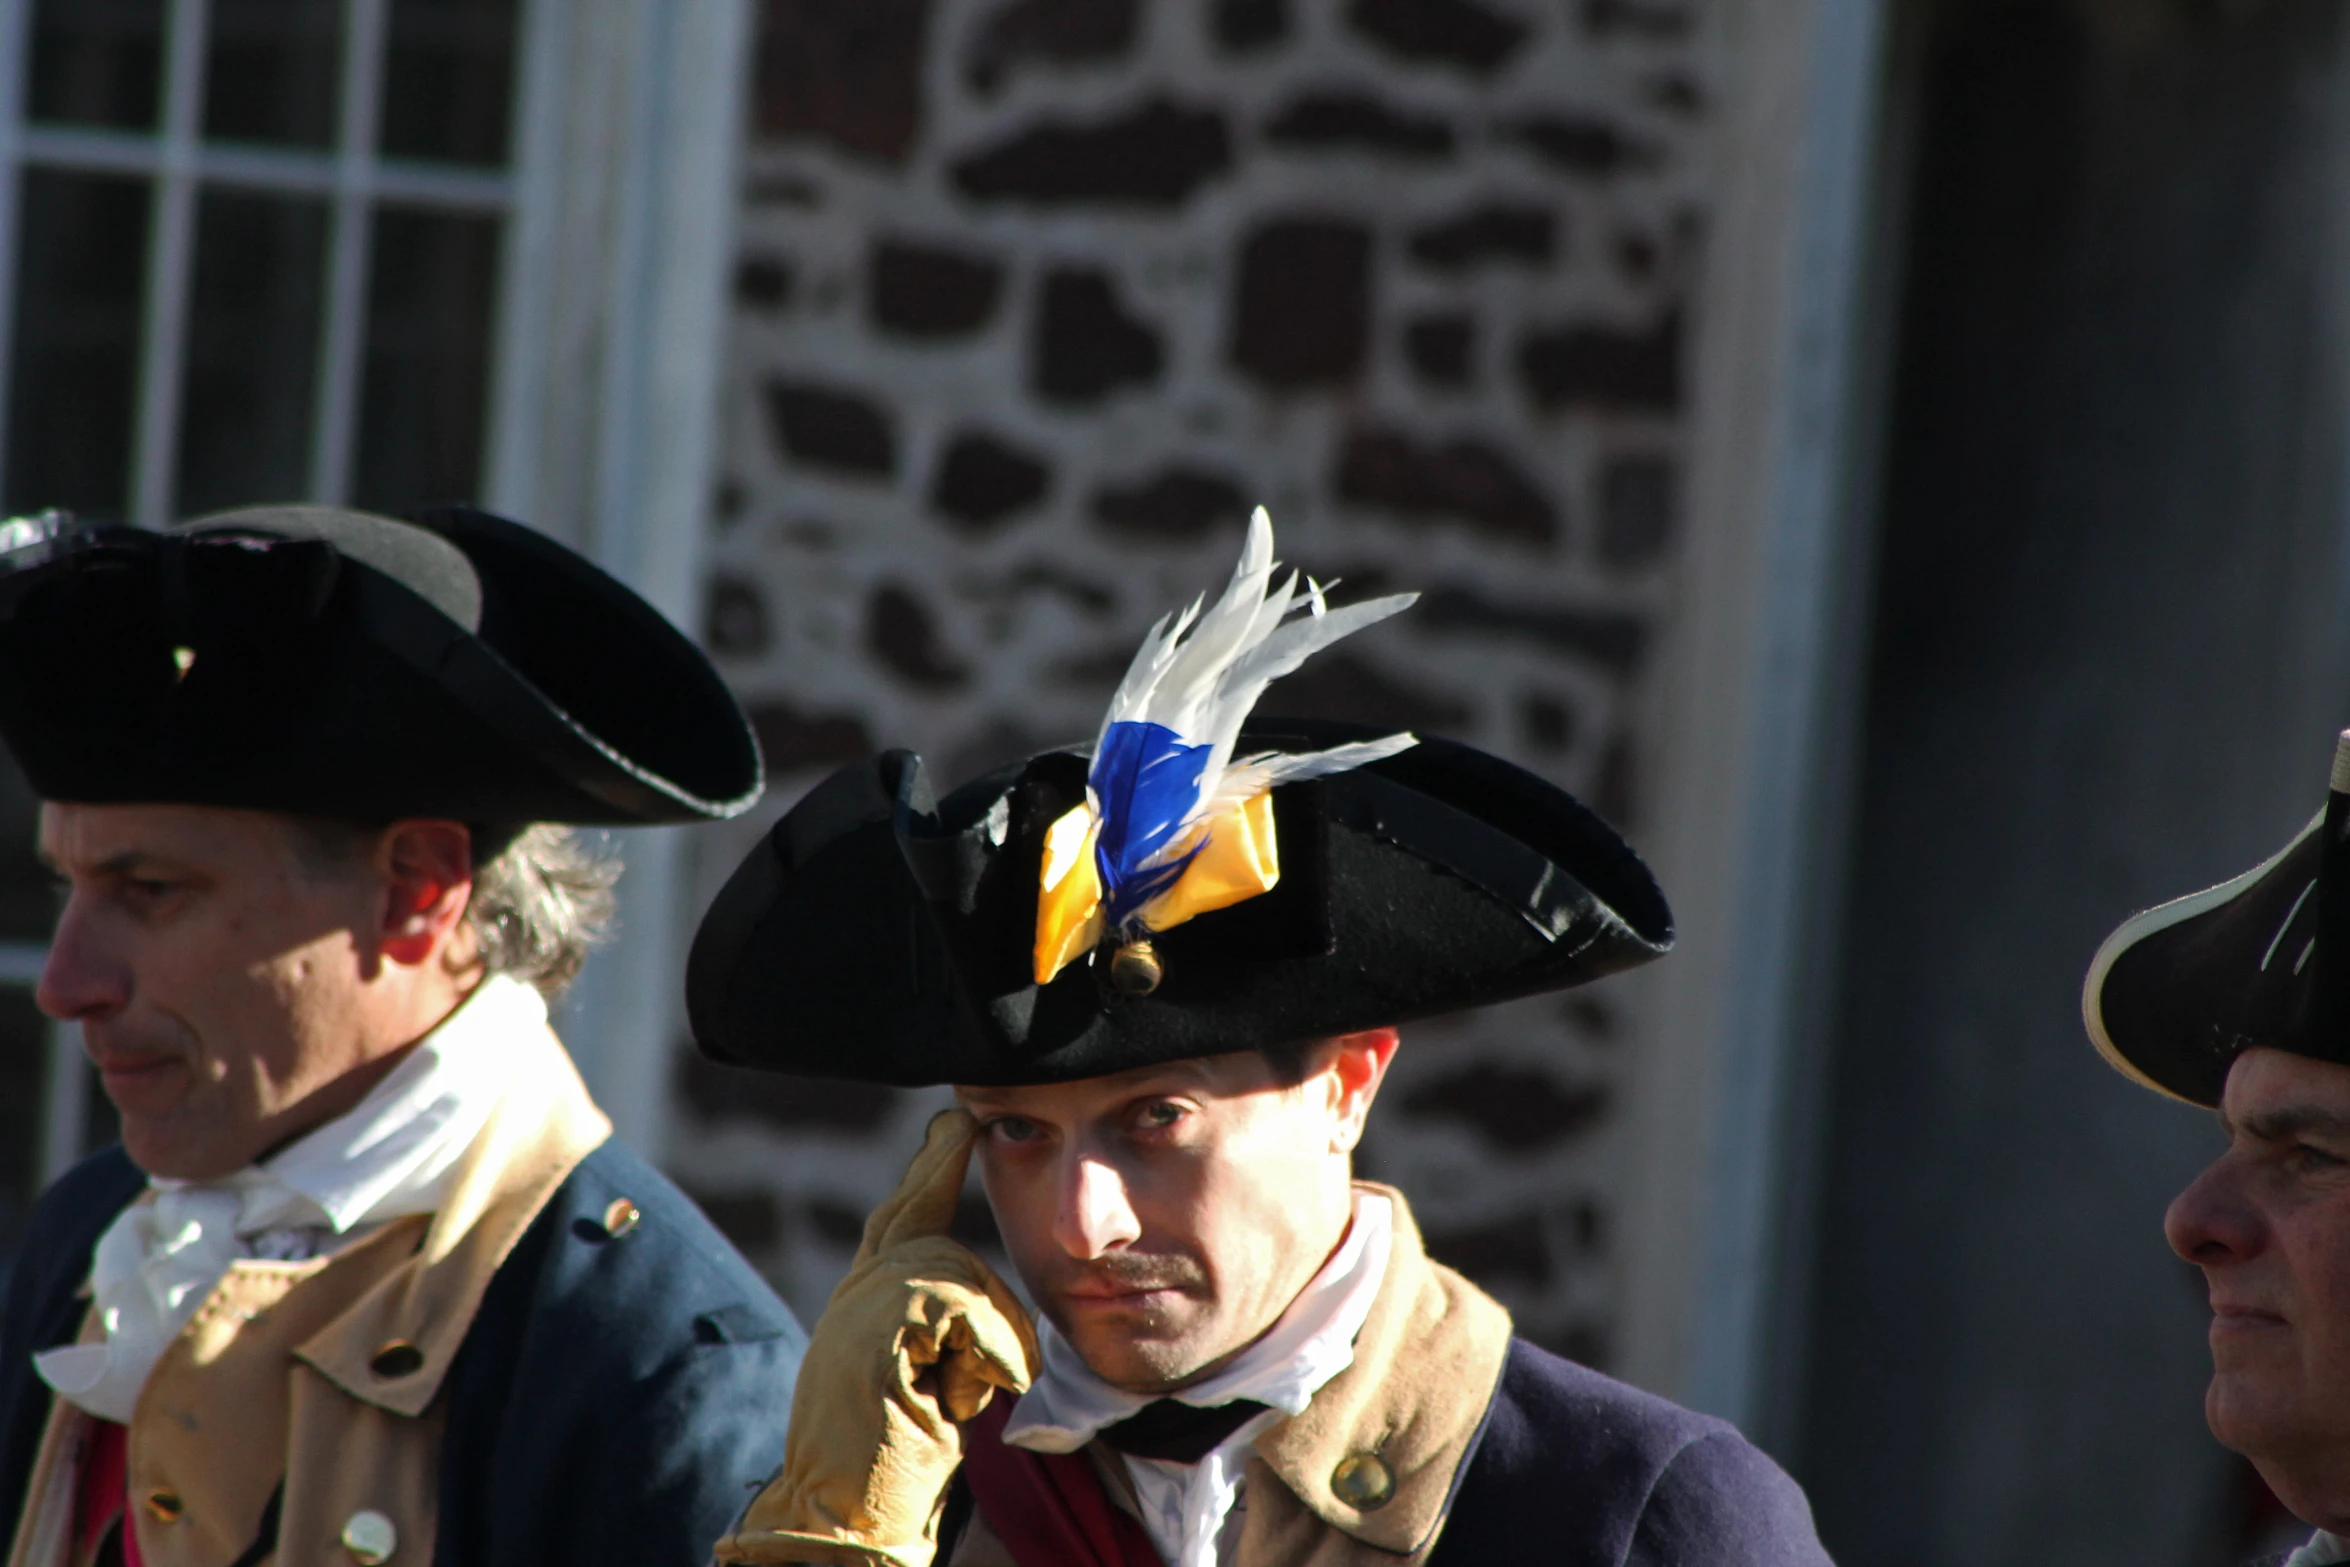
(2180, 991)
(322, 661)
(1054, 921)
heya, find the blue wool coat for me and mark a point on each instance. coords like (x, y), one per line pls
(1570, 1468)
(615, 1400)
(1574, 1469)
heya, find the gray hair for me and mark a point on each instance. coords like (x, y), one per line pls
(542, 904)
(542, 900)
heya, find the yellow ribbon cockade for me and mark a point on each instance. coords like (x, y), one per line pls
(1238, 861)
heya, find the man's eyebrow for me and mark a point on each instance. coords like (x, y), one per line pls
(2286, 1121)
(130, 862)
(1157, 1078)
(1157, 1081)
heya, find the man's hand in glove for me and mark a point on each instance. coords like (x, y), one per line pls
(917, 1338)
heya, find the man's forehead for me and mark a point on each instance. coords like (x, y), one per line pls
(77, 835)
(2273, 1093)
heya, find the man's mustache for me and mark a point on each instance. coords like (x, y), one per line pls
(1127, 1271)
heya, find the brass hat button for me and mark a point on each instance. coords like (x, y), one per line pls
(1136, 969)
(1363, 1481)
(370, 1537)
(621, 1217)
(165, 1506)
(399, 1358)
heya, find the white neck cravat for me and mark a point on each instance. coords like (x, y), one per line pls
(389, 1156)
(1185, 1506)
(2322, 1550)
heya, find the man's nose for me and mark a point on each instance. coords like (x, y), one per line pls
(1094, 1216)
(80, 979)
(2212, 1222)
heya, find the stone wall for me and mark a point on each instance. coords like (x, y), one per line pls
(1035, 298)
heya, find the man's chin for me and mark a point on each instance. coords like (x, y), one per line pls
(156, 1152)
(2255, 1411)
(1133, 1357)
(162, 1145)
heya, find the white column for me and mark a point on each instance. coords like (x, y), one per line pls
(65, 1103)
(1758, 706)
(606, 403)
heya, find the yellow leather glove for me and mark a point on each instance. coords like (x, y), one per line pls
(918, 1337)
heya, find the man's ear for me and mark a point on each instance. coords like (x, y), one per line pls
(426, 869)
(1357, 1065)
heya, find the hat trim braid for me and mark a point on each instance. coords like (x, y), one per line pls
(2136, 929)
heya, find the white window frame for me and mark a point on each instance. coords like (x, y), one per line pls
(618, 211)
(178, 163)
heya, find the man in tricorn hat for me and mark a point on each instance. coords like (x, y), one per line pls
(2238, 998)
(1163, 980)
(366, 1280)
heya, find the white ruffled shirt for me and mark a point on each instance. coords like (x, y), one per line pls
(391, 1155)
(2322, 1550)
(1191, 1511)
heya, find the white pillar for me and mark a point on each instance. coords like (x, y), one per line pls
(1757, 724)
(609, 374)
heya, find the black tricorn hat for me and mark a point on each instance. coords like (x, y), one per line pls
(322, 661)
(2180, 991)
(874, 935)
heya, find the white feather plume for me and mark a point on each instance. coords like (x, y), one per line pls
(1200, 673)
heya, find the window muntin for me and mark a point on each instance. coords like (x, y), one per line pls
(268, 140)
(250, 250)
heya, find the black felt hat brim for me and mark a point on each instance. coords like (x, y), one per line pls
(316, 661)
(2177, 993)
(872, 936)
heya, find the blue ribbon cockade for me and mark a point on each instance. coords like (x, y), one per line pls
(1145, 781)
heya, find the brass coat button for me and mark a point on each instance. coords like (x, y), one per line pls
(621, 1217)
(1363, 1481)
(165, 1506)
(399, 1358)
(370, 1537)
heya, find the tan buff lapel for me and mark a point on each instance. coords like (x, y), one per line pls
(415, 1285)
(218, 1397)
(44, 1529)
(1425, 1367)
(542, 1128)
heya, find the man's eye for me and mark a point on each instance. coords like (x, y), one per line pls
(1164, 1113)
(2309, 1159)
(1011, 1129)
(145, 892)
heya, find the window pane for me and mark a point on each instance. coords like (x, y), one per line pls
(24, 1073)
(97, 62)
(253, 331)
(272, 71)
(449, 80)
(28, 904)
(74, 380)
(424, 395)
